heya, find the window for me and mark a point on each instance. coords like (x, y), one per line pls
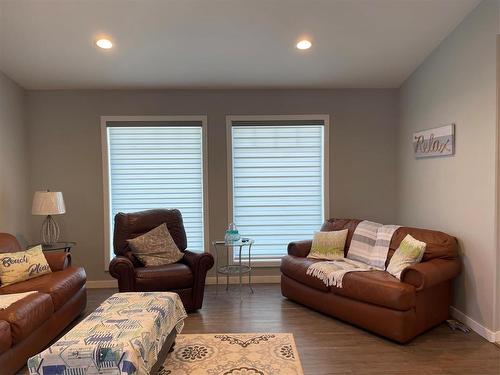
(156, 163)
(278, 179)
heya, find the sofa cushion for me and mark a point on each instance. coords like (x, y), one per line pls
(378, 288)
(340, 224)
(409, 253)
(23, 265)
(5, 336)
(165, 277)
(27, 314)
(438, 244)
(156, 247)
(328, 245)
(61, 285)
(296, 267)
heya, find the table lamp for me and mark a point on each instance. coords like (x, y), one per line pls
(48, 203)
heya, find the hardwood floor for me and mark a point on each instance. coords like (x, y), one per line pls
(328, 346)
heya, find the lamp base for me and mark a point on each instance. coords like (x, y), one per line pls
(50, 231)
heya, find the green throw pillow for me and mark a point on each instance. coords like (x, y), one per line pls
(409, 252)
(328, 245)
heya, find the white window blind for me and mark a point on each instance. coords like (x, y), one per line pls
(277, 182)
(158, 166)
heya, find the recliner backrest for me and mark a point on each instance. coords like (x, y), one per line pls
(131, 225)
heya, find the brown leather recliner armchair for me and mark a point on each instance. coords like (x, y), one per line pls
(186, 277)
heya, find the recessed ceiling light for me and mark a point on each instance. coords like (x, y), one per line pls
(104, 43)
(304, 44)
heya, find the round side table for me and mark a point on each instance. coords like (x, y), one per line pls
(232, 269)
(66, 246)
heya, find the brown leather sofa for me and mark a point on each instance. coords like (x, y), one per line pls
(376, 300)
(30, 324)
(186, 277)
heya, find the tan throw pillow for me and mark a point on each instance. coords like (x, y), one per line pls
(22, 265)
(409, 252)
(156, 247)
(328, 245)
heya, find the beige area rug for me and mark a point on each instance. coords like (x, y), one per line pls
(233, 354)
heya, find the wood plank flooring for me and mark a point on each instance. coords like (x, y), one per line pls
(329, 346)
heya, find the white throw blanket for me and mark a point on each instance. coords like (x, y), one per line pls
(8, 299)
(332, 272)
(367, 251)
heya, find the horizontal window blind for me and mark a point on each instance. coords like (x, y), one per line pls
(158, 167)
(277, 182)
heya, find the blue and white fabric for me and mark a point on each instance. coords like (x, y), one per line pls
(123, 336)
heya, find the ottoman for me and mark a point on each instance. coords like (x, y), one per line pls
(129, 333)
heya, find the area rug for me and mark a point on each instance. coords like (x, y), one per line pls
(233, 354)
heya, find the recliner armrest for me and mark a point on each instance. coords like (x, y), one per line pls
(58, 261)
(433, 272)
(299, 248)
(198, 261)
(122, 269)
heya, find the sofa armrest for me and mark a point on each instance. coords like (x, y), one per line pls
(199, 263)
(433, 272)
(122, 269)
(299, 248)
(58, 261)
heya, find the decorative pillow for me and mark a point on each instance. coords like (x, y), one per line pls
(328, 245)
(409, 252)
(156, 247)
(23, 265)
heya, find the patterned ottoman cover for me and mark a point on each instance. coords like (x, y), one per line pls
(122, 336)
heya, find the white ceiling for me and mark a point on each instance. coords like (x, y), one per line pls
(49, 44)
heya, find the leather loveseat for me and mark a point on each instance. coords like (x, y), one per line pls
(376, 300)
(30, 324)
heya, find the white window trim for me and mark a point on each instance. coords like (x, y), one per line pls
(106, 178)
(326, 166)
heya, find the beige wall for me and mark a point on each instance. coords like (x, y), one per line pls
(497, 292)
(457, 84)
(65, 148)
(14, 199)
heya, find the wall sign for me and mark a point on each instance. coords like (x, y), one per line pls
(434, 142)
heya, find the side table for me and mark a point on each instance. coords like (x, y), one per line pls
(233, 269)
(66, 246)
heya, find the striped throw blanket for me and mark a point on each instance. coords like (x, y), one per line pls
(332, 272)
(368, 251)
(370, 243)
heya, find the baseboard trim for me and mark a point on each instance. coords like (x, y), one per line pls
(481, 330)
(275, 279)
(101, 284)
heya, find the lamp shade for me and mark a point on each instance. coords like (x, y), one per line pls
(48, 203)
